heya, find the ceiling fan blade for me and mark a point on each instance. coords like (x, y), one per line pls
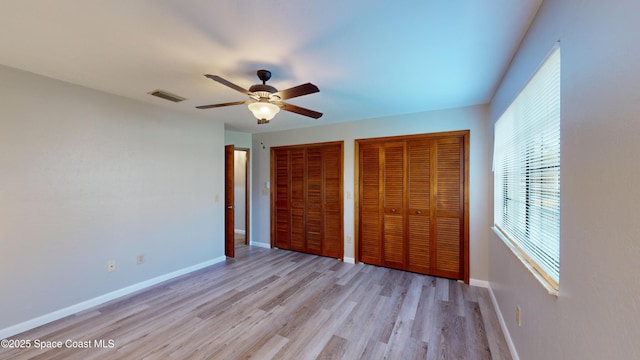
(296, 91)
(223, 104)
(301, 110)
(228, 83)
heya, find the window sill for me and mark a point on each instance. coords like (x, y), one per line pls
(541, 280)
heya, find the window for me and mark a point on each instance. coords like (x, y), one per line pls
(527, 173)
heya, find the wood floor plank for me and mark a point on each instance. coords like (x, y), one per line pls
(360, 328)
(269, 349)
(278, 304)
(317, 334)
(477, 342)
(334, 350)
(424, 315)
(495, 337)
(260, 334)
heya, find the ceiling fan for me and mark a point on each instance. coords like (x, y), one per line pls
(265, 100)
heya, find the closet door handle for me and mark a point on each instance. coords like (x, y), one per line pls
(419, 212)
(393, 210)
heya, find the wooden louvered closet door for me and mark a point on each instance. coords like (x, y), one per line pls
(298, 202)
(281, 194)
(393, 243)
(371, 208)
(411, 204)
(307, 199)
(314, 201)
(332, 202)
(419, 206)
(448, 211)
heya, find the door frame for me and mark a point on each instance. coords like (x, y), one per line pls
(229, 211)
(247, 193)
(229, 186)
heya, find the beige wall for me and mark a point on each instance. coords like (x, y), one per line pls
(596, 314)
(87, 177)
(470, 118)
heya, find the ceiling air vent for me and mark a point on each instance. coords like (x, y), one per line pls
(167, 95)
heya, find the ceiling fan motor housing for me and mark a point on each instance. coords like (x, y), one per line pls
(263, 91)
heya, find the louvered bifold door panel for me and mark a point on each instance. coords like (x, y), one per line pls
(419, 209)
(332, 210)
(394, 205)
(449, 215)
(370, 231)
(314, 201)
(298, 194)
(281, 200)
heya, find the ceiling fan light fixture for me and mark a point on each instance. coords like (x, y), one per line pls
(264, 111)
(265, 100)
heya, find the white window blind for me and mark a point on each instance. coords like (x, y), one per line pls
(527, 171)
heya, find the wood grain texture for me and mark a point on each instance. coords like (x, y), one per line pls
(419, 186)
(281, 219)
(298, 200)
(279, 304)
(370, 200)
(310, 175)
(332, 170)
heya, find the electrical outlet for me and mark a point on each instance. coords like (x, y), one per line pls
(518, 315)
(140, 259)
(111, 265)
(349, 239)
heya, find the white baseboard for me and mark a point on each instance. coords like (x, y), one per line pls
(239, 231)
(261, 244)
(73, 309)
(479, 283)
(503, 325)
(349, 260)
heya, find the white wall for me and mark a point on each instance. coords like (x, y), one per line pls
(470, 118)
(239, 185)
(596, 314)
(238, 139)
(89, 177)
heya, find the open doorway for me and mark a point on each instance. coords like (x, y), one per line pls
(241, 197)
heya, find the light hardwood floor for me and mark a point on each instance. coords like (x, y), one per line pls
(278, 304)
(239, 239)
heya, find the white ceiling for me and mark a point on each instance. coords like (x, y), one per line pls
(370, 58)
